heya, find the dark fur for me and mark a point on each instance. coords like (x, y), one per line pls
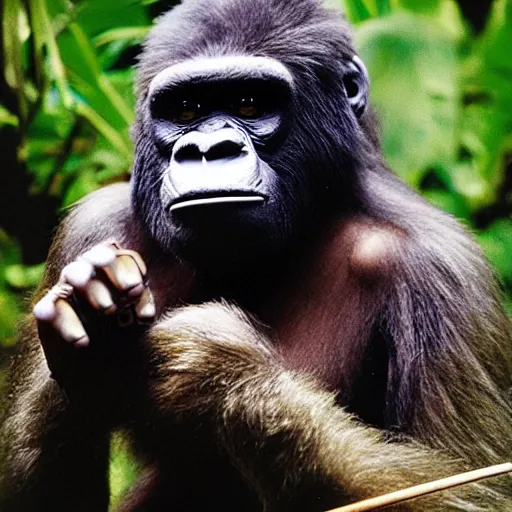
(412, 340)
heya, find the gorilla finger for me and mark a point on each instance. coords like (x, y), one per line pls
(136, 258)
(125, 274)
(68, 326)
(145, 306)
(77, 274)
(45, 310)
(99, 297)
(100, 255)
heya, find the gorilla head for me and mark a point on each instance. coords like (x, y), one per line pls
(245, 138)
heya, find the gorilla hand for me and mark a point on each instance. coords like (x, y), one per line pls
(106, 281)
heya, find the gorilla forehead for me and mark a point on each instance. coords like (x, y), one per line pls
(302, 34)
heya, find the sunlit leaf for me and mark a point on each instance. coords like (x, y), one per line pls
(13, 22)
(44, 37)
(24, 277)
(134, 34)
(10, 303)
(7, 118)
(89, 81)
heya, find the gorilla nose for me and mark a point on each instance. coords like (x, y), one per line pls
(222, 150)
(220, 162)
(223, 145)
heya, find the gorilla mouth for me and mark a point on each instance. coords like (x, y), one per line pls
(217, 198)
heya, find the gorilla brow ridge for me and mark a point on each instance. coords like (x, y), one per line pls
(225, 67)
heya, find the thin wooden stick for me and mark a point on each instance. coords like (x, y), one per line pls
(423, 489)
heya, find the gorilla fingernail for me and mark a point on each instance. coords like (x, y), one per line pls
(147, 311)
(145, 307)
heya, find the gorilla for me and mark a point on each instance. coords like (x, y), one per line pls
(271, 316)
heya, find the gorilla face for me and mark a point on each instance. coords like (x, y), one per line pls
(213, 121)
(234, 151)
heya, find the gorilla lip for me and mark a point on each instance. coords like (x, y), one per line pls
(208, 201)
(219, 198)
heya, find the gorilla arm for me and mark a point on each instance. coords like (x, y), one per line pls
(49, 449)
(54, 443)
(293, 444)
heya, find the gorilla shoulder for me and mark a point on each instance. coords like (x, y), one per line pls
(101, 215)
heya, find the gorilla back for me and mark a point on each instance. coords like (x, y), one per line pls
(368, 349)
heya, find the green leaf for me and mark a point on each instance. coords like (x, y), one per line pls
(413, 68)
(496, 241)
(122, 81)
(382, 7)
(133, 34)
(356, 11)
(44, 37)
(90, 82)
(10, 303)
(463, 178)
(10, 313)
(99, 16)
(24, 277)
(84, 183)
(487, 121)
(7, 118)
(99, 123)
(13, 28)
(421, 6)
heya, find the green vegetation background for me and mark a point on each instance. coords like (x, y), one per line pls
(441, 74)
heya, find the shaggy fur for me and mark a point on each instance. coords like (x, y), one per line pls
(377, 354)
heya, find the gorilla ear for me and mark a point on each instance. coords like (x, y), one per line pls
(357, 85)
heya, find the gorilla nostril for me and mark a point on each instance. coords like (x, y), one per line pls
(188, 153)
(224, 149)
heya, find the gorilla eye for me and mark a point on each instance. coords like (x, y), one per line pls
(188, 111)
(351, 86)
(356, 85)
(248, 107)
